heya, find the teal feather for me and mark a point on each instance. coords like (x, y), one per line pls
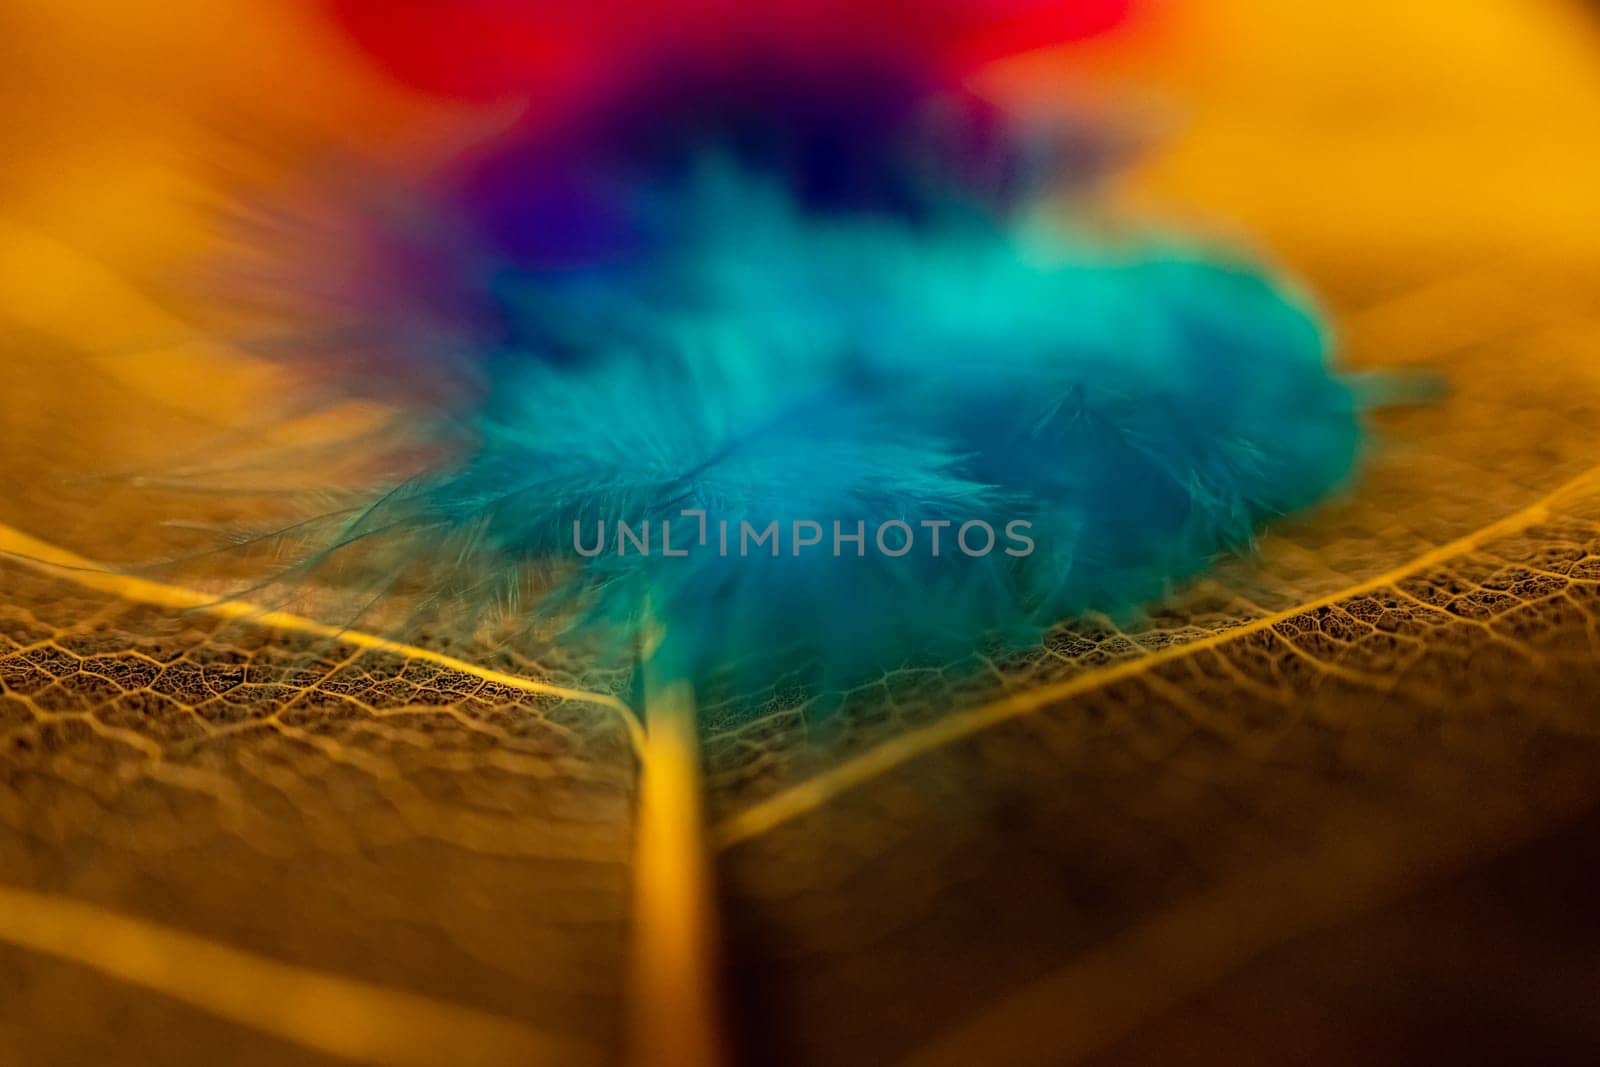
(1144, 407)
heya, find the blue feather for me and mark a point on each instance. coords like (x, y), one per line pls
(1128, 412)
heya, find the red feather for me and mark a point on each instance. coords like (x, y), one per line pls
(481, 49)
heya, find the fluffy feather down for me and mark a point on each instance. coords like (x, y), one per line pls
(1142, 408)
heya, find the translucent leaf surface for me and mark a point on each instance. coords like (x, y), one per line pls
(1400, 686)
(228, 833)
(430, 834)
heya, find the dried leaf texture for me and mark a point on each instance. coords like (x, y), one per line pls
(226, 834)
(1400, 688)
(1323, 772)
(393, 821)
